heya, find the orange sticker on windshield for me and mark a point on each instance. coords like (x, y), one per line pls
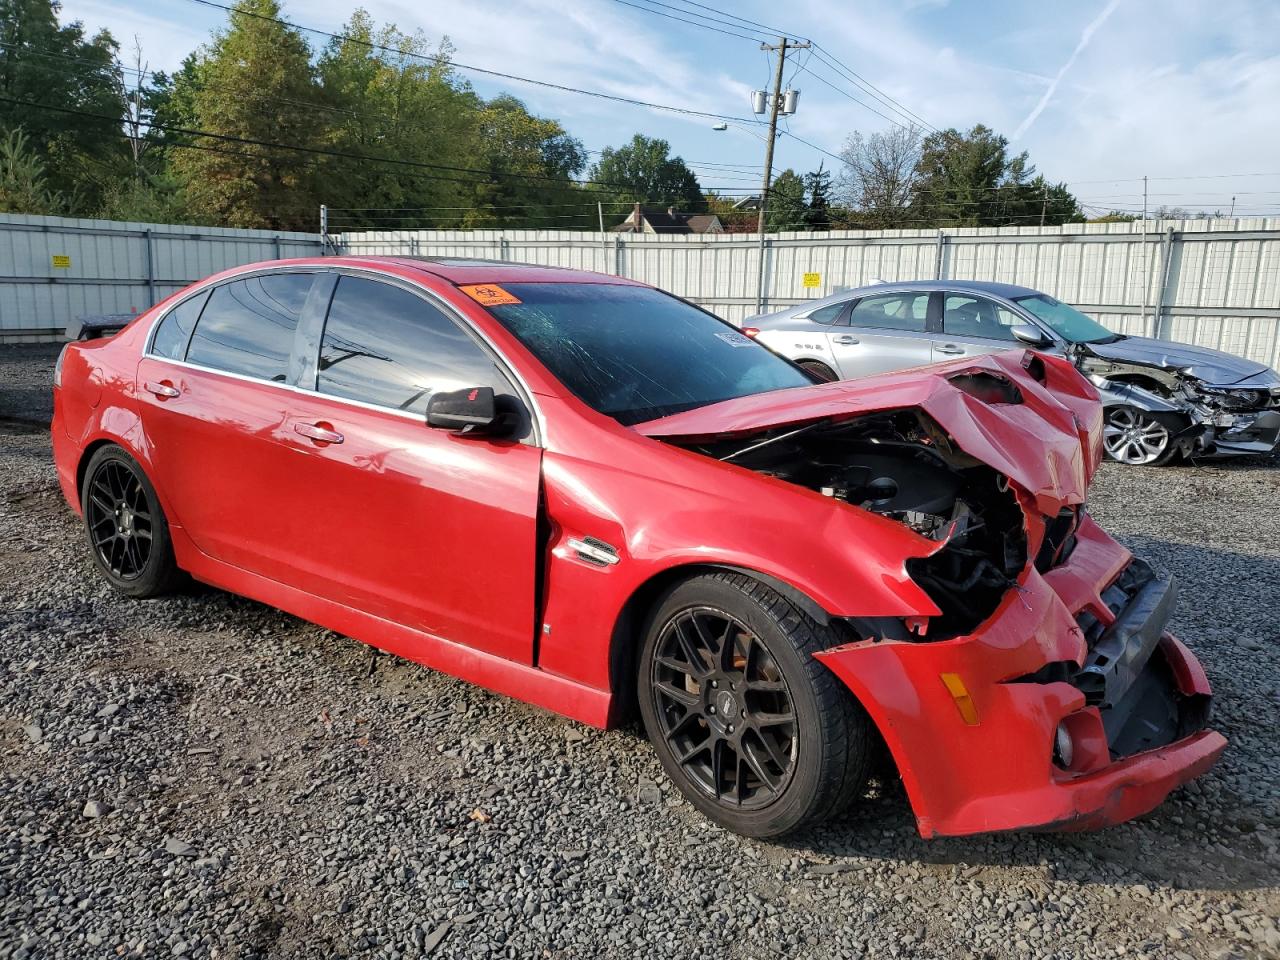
(488, 294)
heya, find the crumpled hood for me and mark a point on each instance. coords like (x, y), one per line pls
(1203, 363)
(1049, 445)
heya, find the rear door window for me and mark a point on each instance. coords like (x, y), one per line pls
(892, 311)
(389, 347)
(247, 326)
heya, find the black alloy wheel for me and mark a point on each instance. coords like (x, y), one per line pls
(725, 710)
(752, 729)
(126, 526)
(120, 523)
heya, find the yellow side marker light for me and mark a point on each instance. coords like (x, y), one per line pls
(960, 694)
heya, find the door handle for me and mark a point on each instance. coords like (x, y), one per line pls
(321, 433)
(164, 389)
(846, 339)
(948, 348)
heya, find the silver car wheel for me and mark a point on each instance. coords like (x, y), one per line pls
(1134, 438)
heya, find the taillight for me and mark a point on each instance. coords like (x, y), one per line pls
(57, 367)
(750, 331)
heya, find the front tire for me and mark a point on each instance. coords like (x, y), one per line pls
(126, 527)
(1136, 439)
(753, 731)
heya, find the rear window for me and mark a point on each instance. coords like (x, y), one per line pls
(635, 353)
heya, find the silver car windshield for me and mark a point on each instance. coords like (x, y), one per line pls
(1067, 322)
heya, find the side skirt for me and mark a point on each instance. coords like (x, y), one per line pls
(557, 694)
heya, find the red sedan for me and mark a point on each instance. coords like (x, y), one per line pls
(591, 495)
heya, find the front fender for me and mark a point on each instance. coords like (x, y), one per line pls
(843, 561)
(1115, 394)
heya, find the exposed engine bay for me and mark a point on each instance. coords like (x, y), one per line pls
(901, 465)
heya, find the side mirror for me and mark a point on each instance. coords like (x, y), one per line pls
(1031, 336)
(471, 411)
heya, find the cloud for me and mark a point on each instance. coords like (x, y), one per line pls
(1085, 37)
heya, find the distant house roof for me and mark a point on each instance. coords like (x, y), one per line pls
(751, 202)
(645, 219)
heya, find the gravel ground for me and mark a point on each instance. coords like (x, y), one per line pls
(202, 776)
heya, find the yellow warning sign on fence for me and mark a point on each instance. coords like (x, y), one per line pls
(61, 261)
(813, 279)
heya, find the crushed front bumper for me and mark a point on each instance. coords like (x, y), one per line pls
(1246, 433)
(1136, 722)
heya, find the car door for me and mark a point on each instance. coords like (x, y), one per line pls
(974, 325)
(214, 391)
(422, 526)
(885, 331)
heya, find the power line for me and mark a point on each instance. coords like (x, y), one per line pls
(445, 61)
(659, 13)
(861, 103)
(823, 55)
(826, 56)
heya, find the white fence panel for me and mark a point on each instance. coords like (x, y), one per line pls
(55, 269)
(1212, 282)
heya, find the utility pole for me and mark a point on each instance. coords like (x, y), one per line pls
(775, 102)
(1044, 203)
(1146, 266)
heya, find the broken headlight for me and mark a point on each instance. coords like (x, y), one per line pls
(1229, 398)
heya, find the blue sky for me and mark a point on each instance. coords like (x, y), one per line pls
(1099, 91)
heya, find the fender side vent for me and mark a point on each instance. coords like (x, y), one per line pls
(593, 551)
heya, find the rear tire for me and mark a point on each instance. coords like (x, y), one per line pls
(755, 733)
(126, 527)
(818, 369)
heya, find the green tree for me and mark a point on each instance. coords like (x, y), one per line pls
(786, 209)
(1052, 203)
(23, 188)
(389, 94)
(70, 98)
(970, 179)
(959, 177)
(256, 83)
(817, 215)
(644, 171)
(531, 162)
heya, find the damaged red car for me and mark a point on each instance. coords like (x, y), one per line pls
(586, 493)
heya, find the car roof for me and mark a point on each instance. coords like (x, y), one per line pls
(1006, 290)
(466, 270)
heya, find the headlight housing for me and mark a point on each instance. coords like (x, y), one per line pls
(1230, 398)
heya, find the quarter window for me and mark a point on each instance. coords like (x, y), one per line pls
(964, 316)
(175, 329)
(827, 314)
(386, 346)
(893, 311)
(247, 325)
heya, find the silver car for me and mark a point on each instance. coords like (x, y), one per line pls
(1162, 399)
